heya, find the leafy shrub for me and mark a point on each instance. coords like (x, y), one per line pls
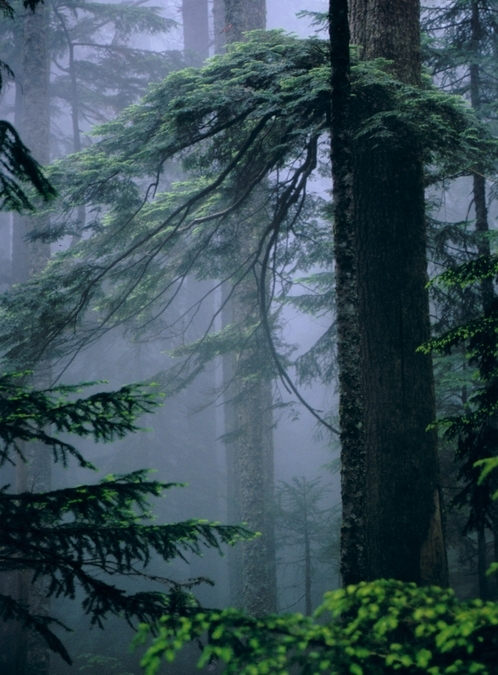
(370, 629)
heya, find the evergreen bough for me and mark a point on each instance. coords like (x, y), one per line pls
(475, 429)
(78, 539)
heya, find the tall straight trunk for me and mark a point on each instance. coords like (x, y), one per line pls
(234, 513)
(248, 407)
(252, 456)
(351, 416)
(487, 291)
(404, 538)
(29, 258)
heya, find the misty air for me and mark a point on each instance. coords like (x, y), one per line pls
(248, 337)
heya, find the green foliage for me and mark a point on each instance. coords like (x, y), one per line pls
(106, 71)
(474, 427)
(25, 414)
(252, 117)
(369, 629)
(451, 137)
(18, 172)
(78, 539)
(462, 35)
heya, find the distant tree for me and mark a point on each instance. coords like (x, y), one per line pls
(99, 69)
(248, 374)
(307, 532)
(254, 115)
(462, 52)
(17, 166)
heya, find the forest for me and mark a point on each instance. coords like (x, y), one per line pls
(248, 337)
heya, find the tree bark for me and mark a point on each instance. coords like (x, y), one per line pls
(404, 538)
(248, 407)
(351, 407)
(242, 16)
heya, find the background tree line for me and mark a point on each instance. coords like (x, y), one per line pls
(190, 218)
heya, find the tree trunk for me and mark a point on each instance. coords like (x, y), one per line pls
(248, 407)
(29, 258)
(487, 291)
(75, 108)
(404, 538)
(350, 408)
(234, 514)
(242, 16)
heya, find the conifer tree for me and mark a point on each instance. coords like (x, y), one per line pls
(462, 54)
(403, 535)
(70, 537)
(249, 400)
(256, 114)
(308, 531)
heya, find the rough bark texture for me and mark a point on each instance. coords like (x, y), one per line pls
(249, 409)
(351, 421)
(242, 16)
(389, 29)
(404, 537)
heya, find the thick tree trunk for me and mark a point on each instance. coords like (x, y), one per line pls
(350, 409)
(389, 29)
(249, 408)
(404, 538)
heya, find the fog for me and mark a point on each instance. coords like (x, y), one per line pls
(183, 441)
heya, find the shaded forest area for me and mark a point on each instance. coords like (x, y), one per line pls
(250, 248)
